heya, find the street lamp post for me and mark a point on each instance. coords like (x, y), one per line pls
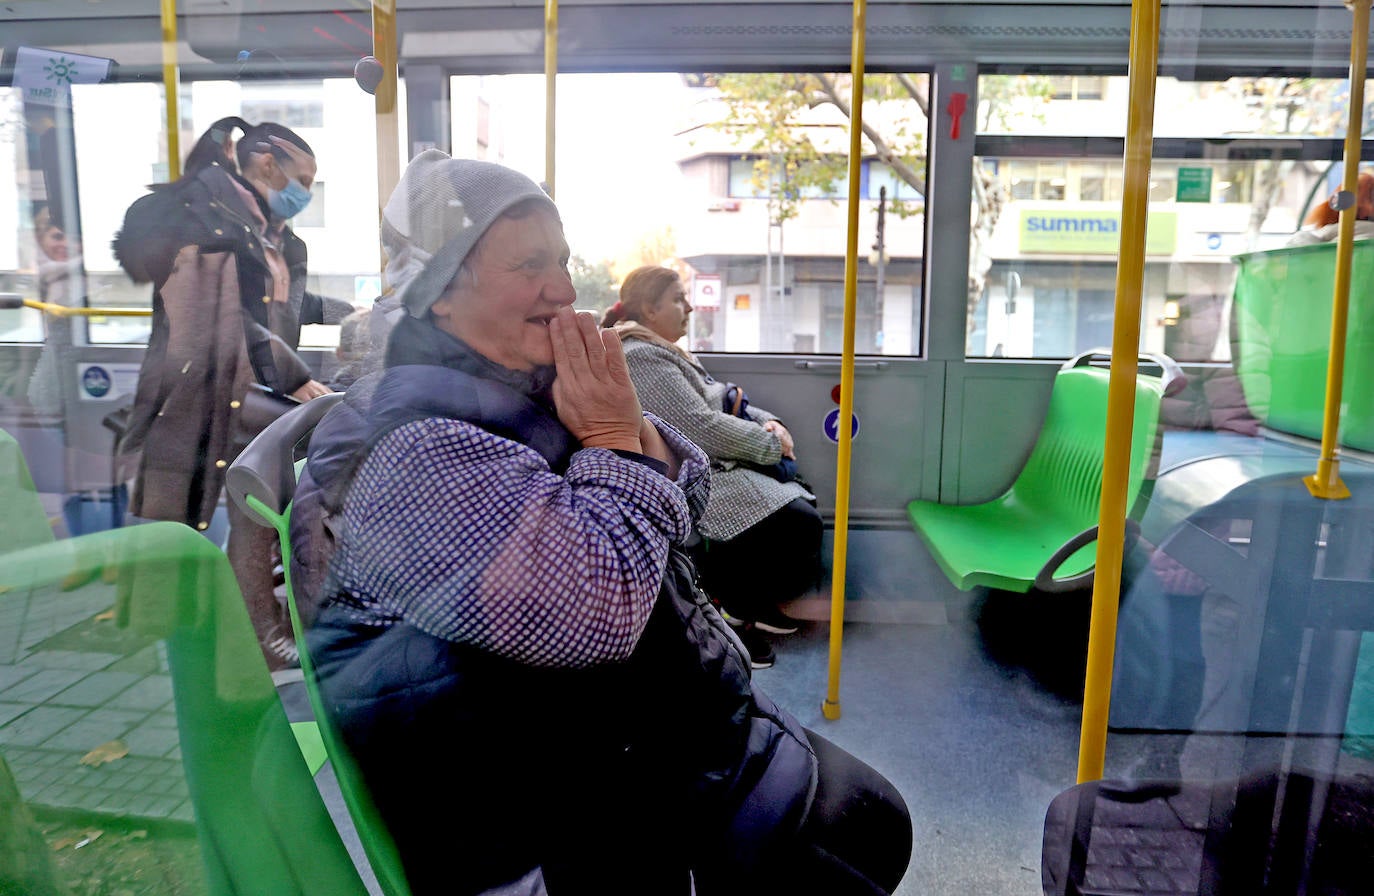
(879, 259)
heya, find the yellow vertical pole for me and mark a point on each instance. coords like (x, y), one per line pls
(388, 117)
(831, 707)
(1326, 482)
(171, 87)
(1116, 463)
(550, 93)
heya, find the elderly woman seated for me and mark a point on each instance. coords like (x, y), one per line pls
(761, 534)
(538, 697)
(1322, 224)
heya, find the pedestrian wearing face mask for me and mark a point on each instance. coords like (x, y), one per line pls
(229, 299)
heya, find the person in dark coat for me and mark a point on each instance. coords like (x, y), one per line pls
(509, 633)
(229, 299)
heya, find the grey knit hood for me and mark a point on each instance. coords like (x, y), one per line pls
(438, 212)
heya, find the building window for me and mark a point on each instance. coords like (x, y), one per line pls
(742, 183)
(866, 336)
(1163, 182)
(1097, 181)
(1077, 87)
(299, 105)
(1021, 179)
(880, 175)
(1233, 182)
(1042, 180)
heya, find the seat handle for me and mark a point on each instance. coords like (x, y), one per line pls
(1173, 377)
(1045, 580)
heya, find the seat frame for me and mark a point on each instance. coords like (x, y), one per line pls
(1041, 532)
(262, 481)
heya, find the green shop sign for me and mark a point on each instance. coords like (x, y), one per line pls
(1091, 233)
(1194, 185)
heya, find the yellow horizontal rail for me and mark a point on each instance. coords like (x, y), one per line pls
(64, 311)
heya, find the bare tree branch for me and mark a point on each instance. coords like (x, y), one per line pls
(881, 147)
(917, 94)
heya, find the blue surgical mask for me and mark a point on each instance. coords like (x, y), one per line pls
(290, 200)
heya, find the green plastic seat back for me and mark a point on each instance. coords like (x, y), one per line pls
(1063, 475)
(1041, 532)
(143, 648)
(1283, 301)
(262, 479)
(22, 520)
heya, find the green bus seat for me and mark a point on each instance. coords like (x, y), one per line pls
(262, 481)
(158, 656)
(1283, 339)
(23, 522)
(1042, 532)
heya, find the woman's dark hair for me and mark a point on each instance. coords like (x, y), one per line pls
(642, 289)
(254, 138)
(209, 147)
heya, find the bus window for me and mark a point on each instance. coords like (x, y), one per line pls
(1051, 206)
(745, 198)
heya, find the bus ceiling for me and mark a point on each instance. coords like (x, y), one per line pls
(306, 38)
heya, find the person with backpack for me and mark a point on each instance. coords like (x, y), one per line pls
(229, 299)
(508, 631)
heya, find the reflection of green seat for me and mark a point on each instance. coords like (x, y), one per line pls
(177, 619)
(262, 480)
(1042, 532)
(1283, 301)
(22, 520)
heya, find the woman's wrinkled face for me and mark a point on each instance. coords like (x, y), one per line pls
(516, 278)
(668, 316)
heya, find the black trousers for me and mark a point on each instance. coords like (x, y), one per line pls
(856, 841)
(774, 561)
(858, 836)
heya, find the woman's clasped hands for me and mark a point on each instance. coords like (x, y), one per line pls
(595, 398)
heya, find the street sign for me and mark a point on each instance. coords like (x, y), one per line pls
(831, 426)
(1194, 185)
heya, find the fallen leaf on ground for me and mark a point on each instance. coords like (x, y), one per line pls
(91, 837)
(106, 752)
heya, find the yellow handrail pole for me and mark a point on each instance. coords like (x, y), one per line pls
(64, 311)
(831, 707)
(1116, 462)
(550, 91)
(388, 119)
(1326, 482)
(171, 86)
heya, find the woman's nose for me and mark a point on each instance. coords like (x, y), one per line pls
(560, 289)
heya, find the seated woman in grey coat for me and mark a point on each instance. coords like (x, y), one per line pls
(761, 533)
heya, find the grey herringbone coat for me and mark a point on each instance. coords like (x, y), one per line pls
(686, 396)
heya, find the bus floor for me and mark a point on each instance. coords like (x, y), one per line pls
(972, 712)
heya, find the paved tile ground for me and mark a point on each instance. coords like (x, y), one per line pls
(71, 681)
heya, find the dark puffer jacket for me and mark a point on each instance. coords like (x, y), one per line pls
(212, 335)
(614, 778)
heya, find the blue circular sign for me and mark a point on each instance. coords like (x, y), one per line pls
(832, 426)
(96, 381)
(1214, 241)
